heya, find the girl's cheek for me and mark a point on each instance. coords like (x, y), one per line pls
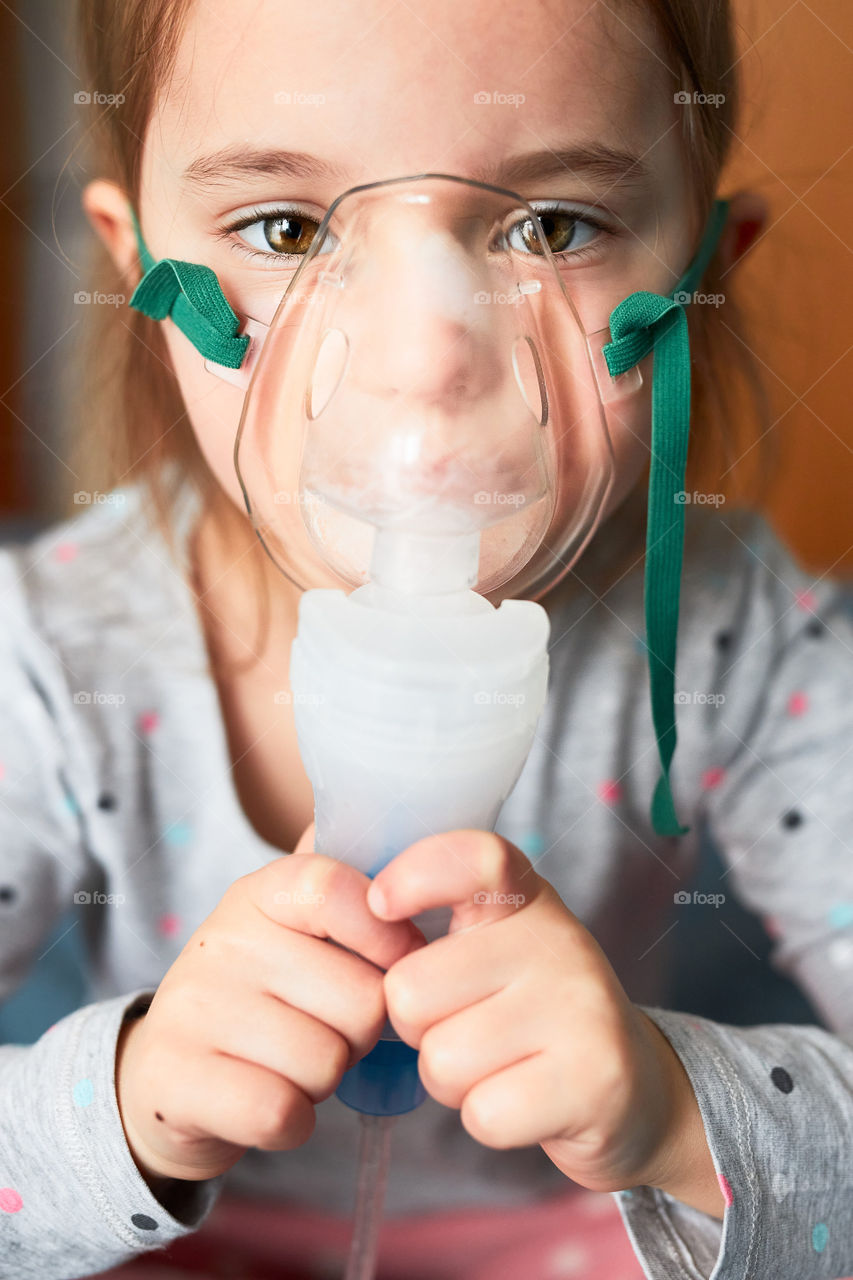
(213, 408)
(629, 424)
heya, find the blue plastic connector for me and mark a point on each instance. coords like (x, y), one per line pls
(385, 1082)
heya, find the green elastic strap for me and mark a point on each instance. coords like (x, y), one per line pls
(647, 322)
(191, 295)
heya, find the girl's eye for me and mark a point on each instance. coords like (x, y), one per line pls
(289, 233)
(285, 233)
(566, 232)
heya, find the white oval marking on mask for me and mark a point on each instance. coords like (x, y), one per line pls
(528, 374)
(328, 371)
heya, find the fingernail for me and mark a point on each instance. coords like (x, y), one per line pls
(376, 900)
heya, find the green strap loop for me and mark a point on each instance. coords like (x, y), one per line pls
(647, 322)
(192, 296)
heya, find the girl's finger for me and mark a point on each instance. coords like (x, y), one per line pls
(330, 983)
(469, 1046)
(520, 1106)
(326, 898)
(456, 971)
(481, 875)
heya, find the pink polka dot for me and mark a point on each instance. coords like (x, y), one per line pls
(798, 704)
(148, 722)
(609, 791)
(65, 552)
(712, 778)
(772, 926)
(2, 771)
(169, 925)
(10, 1201)
(806, 600)
(726, 1189)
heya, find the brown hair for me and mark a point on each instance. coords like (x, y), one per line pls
(132, 421)
(730, 405)
(135, 419)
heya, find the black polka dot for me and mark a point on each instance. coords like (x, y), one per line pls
(723, 639)
(143, 1222)
(781, 1079)
(815, 628)
(793, 818)
(7, 893)
(107, 801)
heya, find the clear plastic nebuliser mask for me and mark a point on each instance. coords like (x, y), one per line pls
(424, 411)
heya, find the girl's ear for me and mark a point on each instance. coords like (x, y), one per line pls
(108, 209)
(747, 221)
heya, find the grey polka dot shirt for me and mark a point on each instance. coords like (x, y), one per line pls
(117, 804)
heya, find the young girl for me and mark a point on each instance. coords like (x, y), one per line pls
(151, 774)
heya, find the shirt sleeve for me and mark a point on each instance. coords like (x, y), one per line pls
(72, 1201)
(776, 1100)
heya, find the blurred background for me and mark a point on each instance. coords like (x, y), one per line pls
(795, 145)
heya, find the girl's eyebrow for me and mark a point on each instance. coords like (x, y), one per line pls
(234, 163)
(593, 162)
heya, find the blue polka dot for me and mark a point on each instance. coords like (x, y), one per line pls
(178, 833)
(841, 914)
(83, 1092)
(820, 1237)
(628, 1195)
(71, 804)
(532, 843)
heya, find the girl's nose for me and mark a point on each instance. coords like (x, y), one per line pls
(423, 335)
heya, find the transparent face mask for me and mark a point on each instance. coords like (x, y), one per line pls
(425, 409)
(428, 390)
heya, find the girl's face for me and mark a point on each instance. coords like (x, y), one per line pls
(266, 115)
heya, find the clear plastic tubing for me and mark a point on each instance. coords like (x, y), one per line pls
(374, 1159)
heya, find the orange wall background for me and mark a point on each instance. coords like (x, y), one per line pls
(796, 147)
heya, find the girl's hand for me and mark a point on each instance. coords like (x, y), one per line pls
(522, 1024)
(257, 1019)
